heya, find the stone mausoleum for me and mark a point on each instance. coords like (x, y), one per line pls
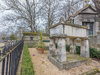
(88, 16)
(59, 34)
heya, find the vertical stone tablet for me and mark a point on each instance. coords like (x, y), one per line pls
(85, 48)
(61, 54)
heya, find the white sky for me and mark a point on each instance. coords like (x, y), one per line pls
(1, 14)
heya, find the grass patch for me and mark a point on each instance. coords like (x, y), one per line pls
(27, 66)
(71, 57)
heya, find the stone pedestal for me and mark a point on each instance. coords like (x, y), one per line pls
(85, 48)
(72, 46)
(61, 54)
(52, 48)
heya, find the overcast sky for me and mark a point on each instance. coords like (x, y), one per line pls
(3, 27)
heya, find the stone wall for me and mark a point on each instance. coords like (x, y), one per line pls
(77, 20)
(94, 41)
(30, 40)
(56, 31)
(87, 18)
(69, 30)
(98, 38)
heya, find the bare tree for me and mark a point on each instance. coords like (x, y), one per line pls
(97, 5)
(23, 11)
(54, 9)
(69, 7)
(50, 12)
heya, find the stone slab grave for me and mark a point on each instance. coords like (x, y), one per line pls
(92, 72)
(58, 34)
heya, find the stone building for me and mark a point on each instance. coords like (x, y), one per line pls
(59, 33)
(87, 16)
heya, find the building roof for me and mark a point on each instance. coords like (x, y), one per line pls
(85, 7)
(68, 24)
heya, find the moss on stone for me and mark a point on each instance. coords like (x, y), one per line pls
(71, 57)
(92, 72)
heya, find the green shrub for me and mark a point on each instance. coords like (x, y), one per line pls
(30, 46)
(98, 54)
(33, 45)
(46, 40)
(46, 48)
(40, 43)
(78, 49)
(13, 37)
(27, 66)
(3, 38)
(68, 48)
(56, 45)
(94, 53)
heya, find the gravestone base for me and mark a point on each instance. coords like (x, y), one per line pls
(92, 72)
(68, 65)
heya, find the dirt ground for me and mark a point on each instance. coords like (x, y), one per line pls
(43, 66)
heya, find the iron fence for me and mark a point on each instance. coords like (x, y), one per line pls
(10, 57)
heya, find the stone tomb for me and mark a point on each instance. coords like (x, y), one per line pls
(58, 35)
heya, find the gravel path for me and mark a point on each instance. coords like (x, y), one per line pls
(43, 66)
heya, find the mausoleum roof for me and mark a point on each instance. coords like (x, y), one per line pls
(85, 7)
(73, 25)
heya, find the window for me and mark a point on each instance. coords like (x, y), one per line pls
(31, 38)
(73, 21)
(90, 27)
